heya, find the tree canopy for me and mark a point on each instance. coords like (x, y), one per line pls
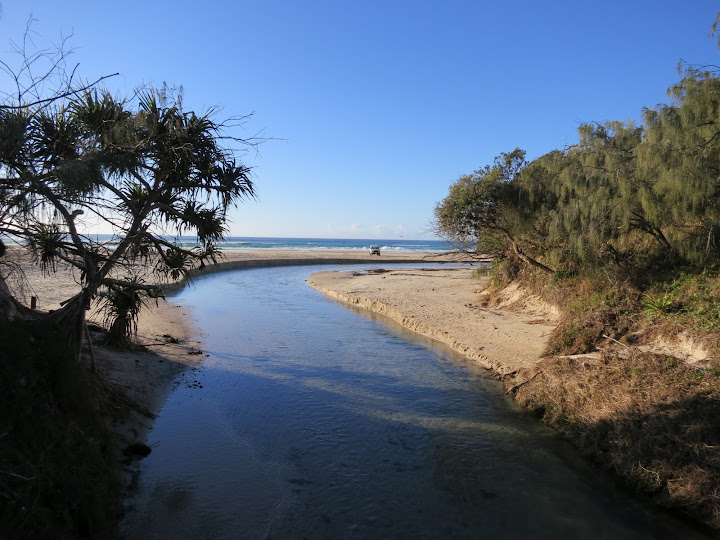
(144, 168)
(623, 195)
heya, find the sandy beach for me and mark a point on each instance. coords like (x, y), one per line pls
(51, 289)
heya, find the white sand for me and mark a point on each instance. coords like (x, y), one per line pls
(444, 304)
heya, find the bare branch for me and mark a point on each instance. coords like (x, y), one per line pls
(70, 93)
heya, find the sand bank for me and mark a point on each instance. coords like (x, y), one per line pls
(444, 304)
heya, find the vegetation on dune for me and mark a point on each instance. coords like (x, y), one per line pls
(622, 231)
(624, 196)
(650, 419)
(58, 472)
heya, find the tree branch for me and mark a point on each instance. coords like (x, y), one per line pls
(67, 94)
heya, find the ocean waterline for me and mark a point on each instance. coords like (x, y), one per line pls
(253, 243)
(311, 420)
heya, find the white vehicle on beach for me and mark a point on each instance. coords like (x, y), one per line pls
(375, 250)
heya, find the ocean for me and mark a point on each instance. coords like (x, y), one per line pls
(250, 243)
(344, 244)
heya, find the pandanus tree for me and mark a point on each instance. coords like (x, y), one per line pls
(146, 169)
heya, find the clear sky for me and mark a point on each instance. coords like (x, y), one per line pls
(373, 108)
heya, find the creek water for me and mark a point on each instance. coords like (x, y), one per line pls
(308, 419)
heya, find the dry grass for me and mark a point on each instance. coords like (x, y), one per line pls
(580, 332)
(653, 420)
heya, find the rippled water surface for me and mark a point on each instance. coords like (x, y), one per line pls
(311, 420)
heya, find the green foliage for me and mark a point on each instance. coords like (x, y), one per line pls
(46, 246)
(144, 168)
(657, 305)
(679, 157)
(625, 196)
(488, 212)
(482, 205)
(121, 309)
(174, 262)
(691, 299)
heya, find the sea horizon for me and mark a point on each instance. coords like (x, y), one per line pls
(242, 243)
(282, 243)
(301, 244)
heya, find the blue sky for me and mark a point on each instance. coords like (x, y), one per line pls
(372, 109)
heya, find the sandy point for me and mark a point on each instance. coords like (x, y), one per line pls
(446, 304)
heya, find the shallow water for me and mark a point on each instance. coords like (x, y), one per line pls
(311, 420)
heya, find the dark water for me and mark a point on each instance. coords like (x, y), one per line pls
(309, 420)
